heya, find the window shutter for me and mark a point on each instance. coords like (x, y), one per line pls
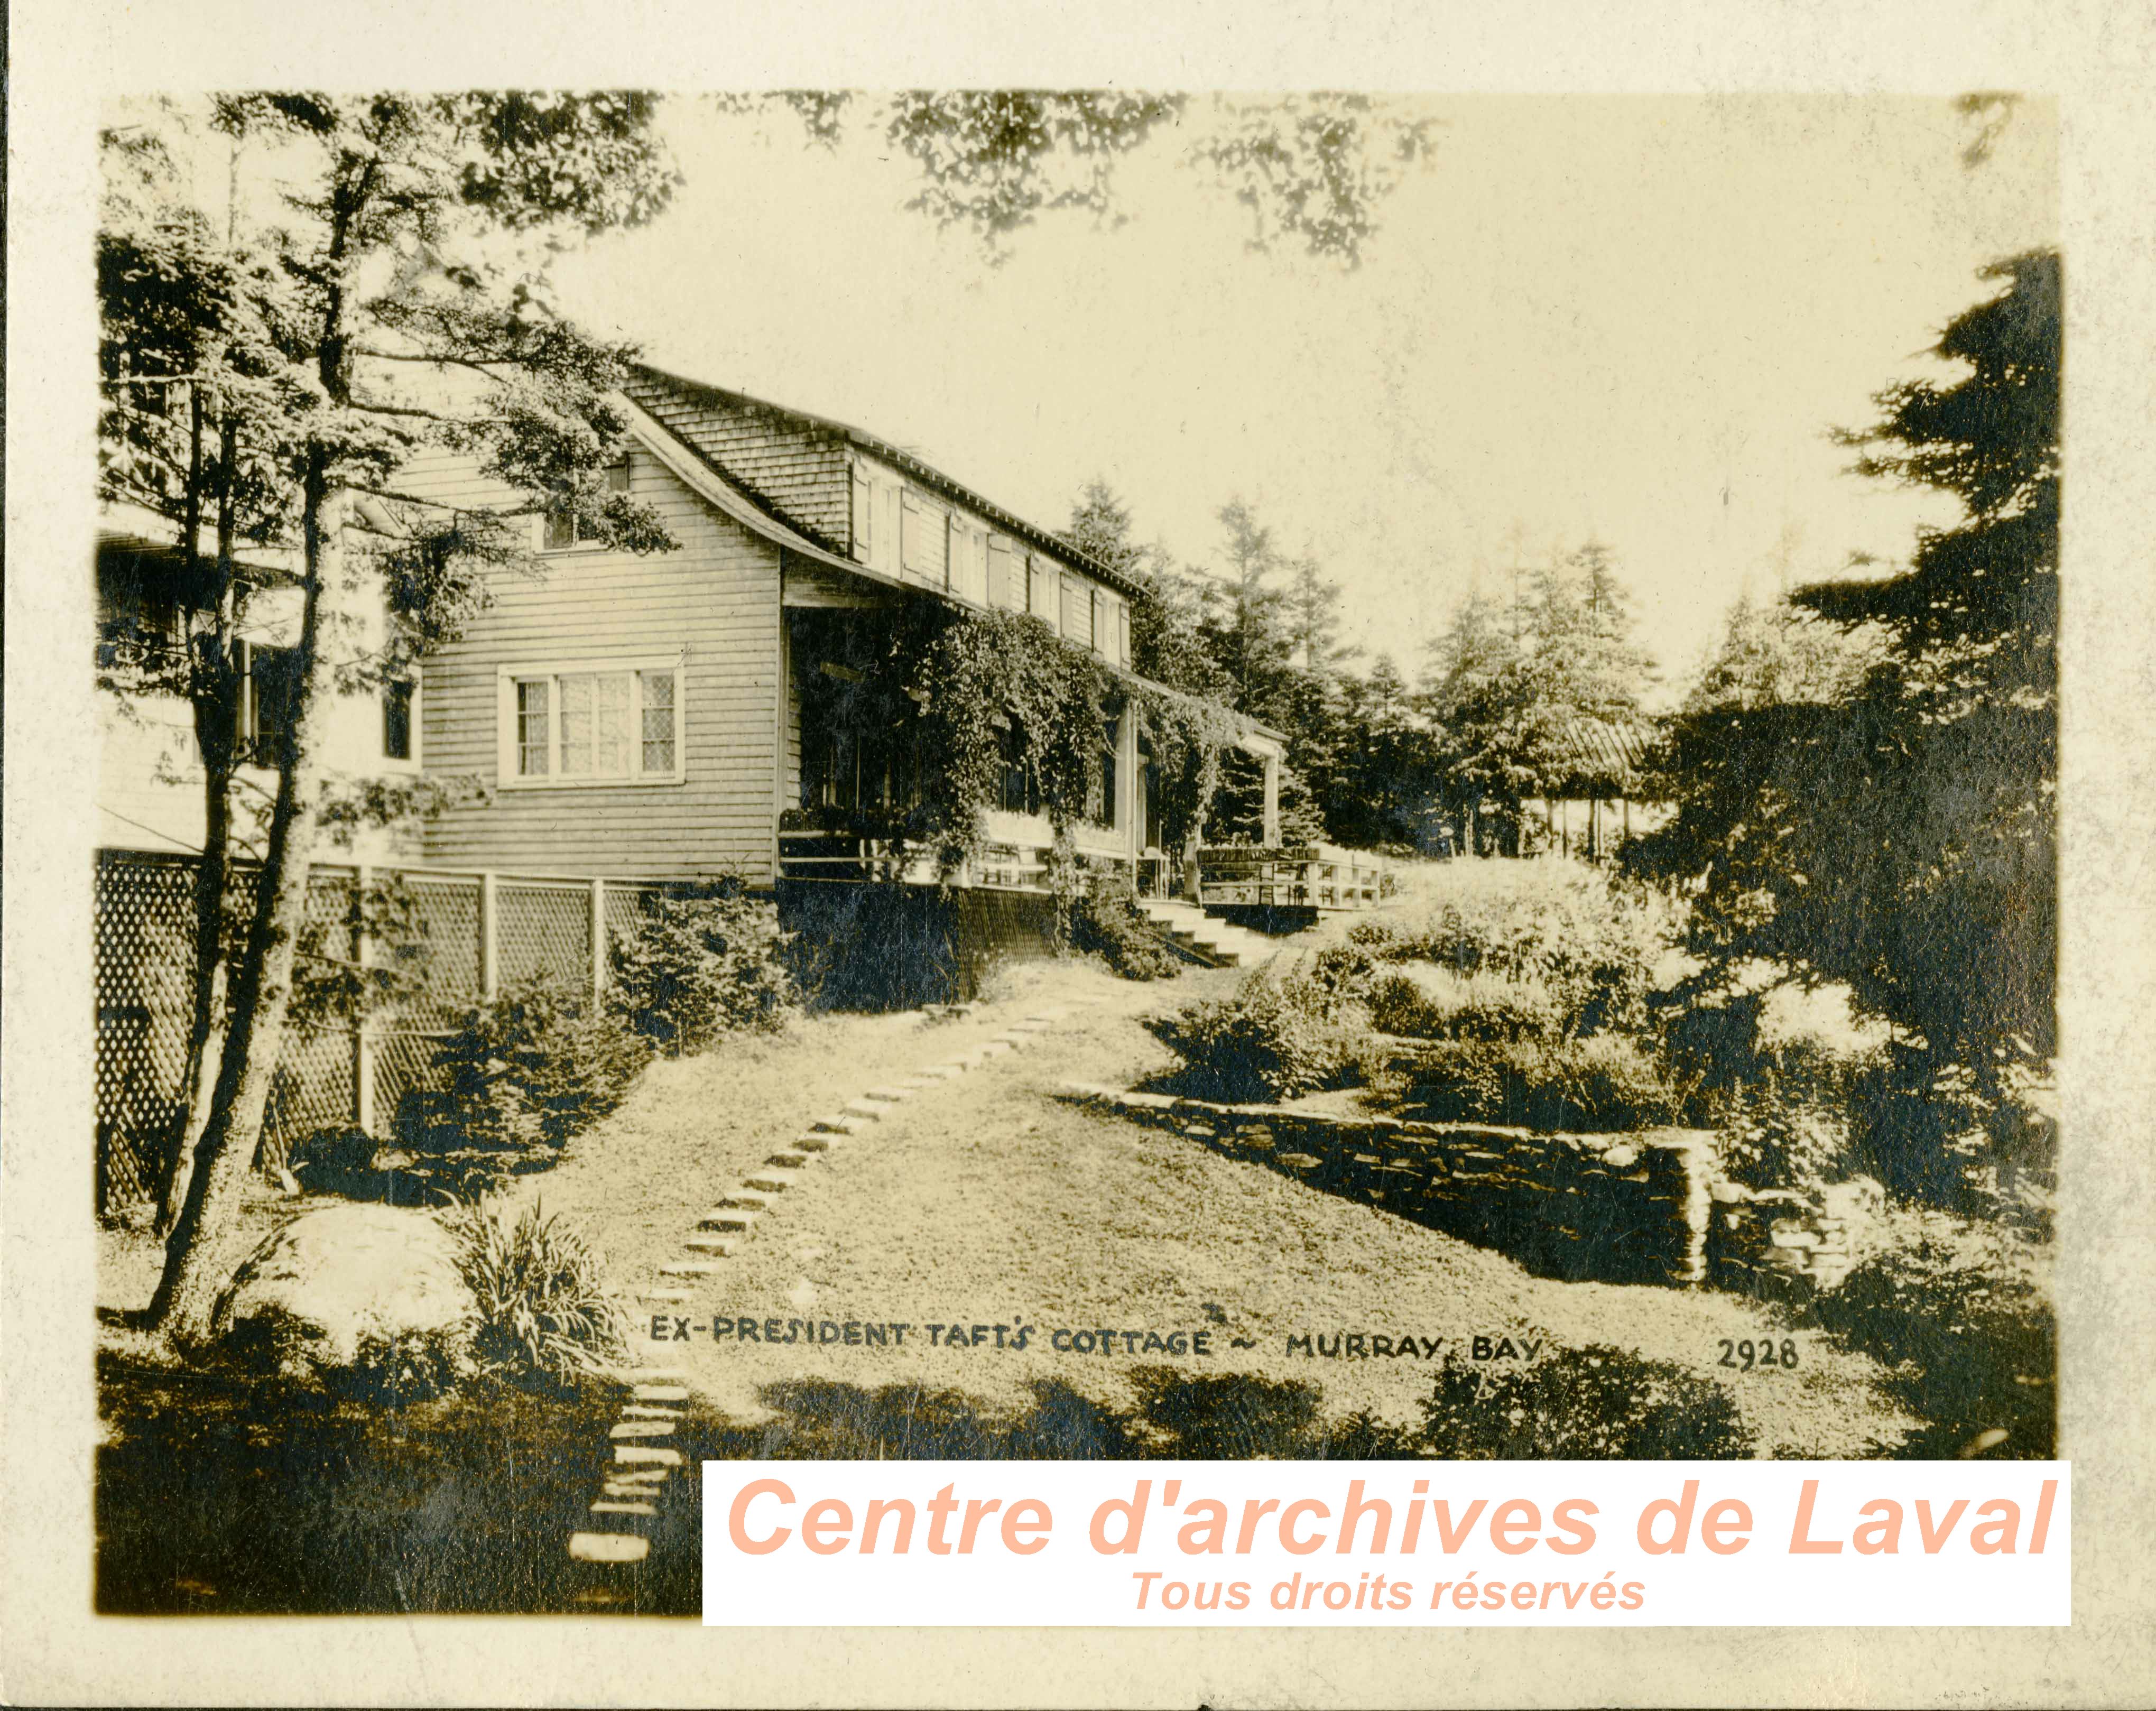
(1041, 591)
(1123, 634)
(864, 516)
(1077, 610)
(912, 558)
(1102, 644)
(1000, 569)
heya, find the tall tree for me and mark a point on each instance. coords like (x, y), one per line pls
(1247, 626)
(1509, 691)
(1900, 835)
(408, 239)
(1165, 642)
(1774, 653)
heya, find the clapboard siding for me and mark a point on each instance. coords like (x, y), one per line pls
(802, 472)
(713, 602)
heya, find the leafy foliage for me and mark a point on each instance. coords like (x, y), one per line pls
(1312, 169)
(1508, 690)
(526, 1072)
(1106, 922)
(1588, 946)
(1595, 1404)
(1899, 834)
(1960, 1314)
(699, 968)
(545, 1313)
(1277, 1038)
(1609, 1083)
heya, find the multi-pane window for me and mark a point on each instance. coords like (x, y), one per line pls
(657, 732)
(535, 703)
(564, 528)
(269, 686)
(602, 725)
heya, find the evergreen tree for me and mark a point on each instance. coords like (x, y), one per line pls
(1899, 834)
(1166, 645)
(1246, 626)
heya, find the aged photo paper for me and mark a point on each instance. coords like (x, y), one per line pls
(1258, 735)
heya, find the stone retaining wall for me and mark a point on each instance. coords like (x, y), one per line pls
(1620, 1208)
(1790, 1243)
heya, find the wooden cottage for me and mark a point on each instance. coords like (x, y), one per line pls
(655, 715)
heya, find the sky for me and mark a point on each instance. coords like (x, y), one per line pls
(1629, 319)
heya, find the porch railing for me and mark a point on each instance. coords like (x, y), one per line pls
(1314, 877)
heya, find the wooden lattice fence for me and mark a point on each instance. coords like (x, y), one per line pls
(460, 937)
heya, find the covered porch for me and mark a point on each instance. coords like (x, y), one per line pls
(855, 765)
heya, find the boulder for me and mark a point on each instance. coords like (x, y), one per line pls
(352, 1296)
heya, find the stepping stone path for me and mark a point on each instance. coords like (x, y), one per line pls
(640, 1462)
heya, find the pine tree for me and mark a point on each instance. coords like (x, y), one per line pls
(1895, 827)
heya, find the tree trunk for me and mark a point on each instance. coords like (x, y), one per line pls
(187, 1290)
(217, 738)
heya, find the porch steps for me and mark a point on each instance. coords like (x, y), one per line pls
(1219, 942)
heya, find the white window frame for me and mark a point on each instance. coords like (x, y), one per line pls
(581, 544)
(506, 679)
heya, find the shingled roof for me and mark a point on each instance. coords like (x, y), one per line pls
(1603, 754)
(829, 427)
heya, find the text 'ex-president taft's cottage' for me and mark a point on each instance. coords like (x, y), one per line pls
(664, 715)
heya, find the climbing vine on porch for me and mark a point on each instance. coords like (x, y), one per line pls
(964, 696)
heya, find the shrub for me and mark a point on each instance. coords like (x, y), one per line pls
(1274, 1040)
(1382, 939)
(700, 967)
(1959, 1312)
(1590, 946)
(352, 1163)
(1240, 1417)
(1786, 1123)
(526, 1072)
(545, 1313)
(1428, 1002)
(1591, 1404)
(1107, 921)
(1603, 1085)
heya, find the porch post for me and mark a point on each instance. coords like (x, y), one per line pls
(1272, 832)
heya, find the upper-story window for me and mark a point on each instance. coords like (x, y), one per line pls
(1043, 601)
(1006, 575)
(864, 516)
(563, 530)
(599, 724)
(1077, 610)
(400, 720)
(924, 538)
(269, 691)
